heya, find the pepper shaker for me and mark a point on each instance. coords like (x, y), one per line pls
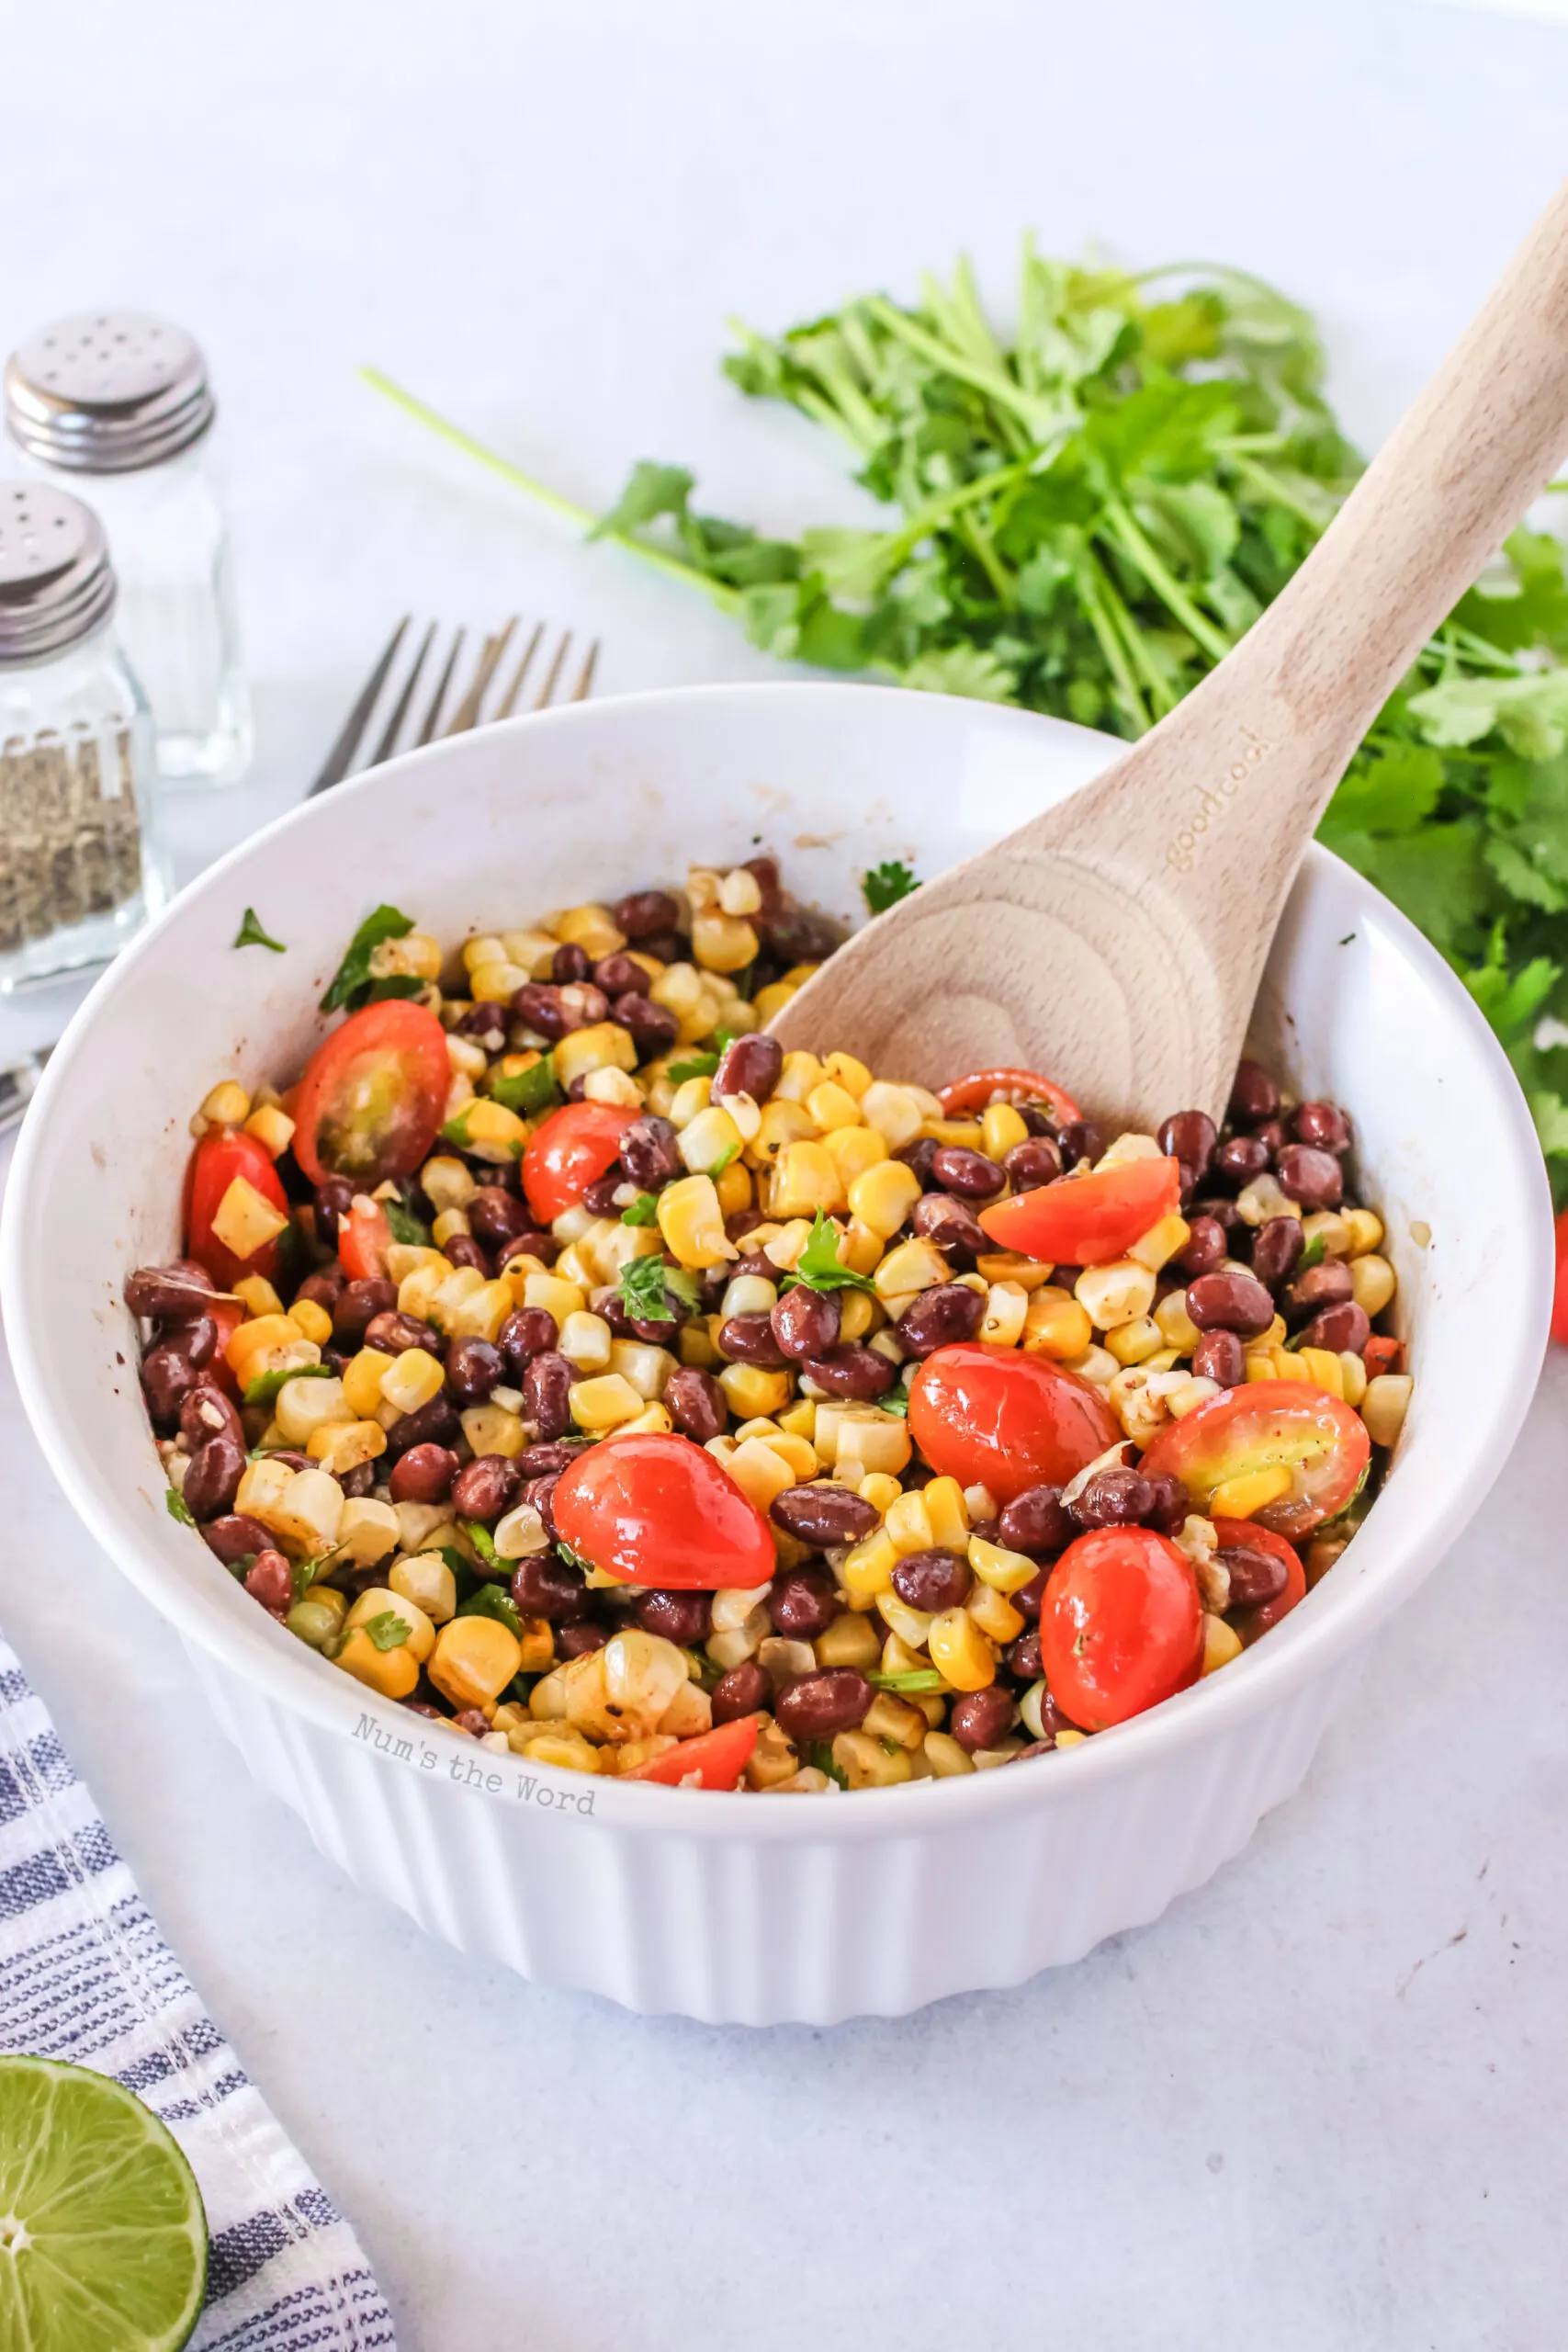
(124, 398)
(81, 863)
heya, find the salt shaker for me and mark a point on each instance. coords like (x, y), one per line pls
(80, 861)
(124, 399)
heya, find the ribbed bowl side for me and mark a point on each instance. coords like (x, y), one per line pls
(733, 1930)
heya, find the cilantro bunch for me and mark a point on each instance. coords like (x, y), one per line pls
(1087, 510)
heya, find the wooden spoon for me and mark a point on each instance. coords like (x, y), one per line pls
(1116, 943)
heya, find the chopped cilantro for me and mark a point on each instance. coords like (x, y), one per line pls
(886, 884)
(456, 1131)
(491, 1601)
(694, 1065)
(644, 1210)
(573, 1559)
(250, 934)
(389, 1630)
(646, 1286)
(526, 1091)
(922, 1678)
(729, 1152)
(480, 1537)
(405, 1226)
(352, 983)
(818, 1265)
(1312, 1255)
(896, 1401)
(264, 1389)
(820, 1753)
(178, 1507)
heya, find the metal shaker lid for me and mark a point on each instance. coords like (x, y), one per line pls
(107, 391)
(56, 580)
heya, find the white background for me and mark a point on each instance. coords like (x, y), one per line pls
(1318, 2105)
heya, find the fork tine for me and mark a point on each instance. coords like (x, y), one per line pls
(432, 717)
(584, 686)
(509, 699)
(340, 758)
(466, 714)
(547, 689)
(394, 727)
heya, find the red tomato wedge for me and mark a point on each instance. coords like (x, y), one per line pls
(218, 1159)
(364, 1237)
(983, 1086)
(568, 1152)
(1560, 1292)
(1086, 1220)
(657, 1510)
(991, 1417)
(1244, 1534)
(1268, 1423)
(370, 1103)
(1120, 1625)
(718, 1757)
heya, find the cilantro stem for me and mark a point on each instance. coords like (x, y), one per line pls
(1164, 582)
(1001, 388)
(1280, 493)
(1091, 583)
(728, 600)
(1138, 646)
(979, 541)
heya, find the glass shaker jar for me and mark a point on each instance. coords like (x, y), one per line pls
(124, 398)
(81, 862)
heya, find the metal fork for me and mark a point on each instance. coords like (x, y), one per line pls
(443, 714)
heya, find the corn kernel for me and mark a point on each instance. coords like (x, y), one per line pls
(739, 893)
(945, 1757)
(893, 1111)
(800, 1420)
(832, 1106)
(1118, 1293)
(392, 1672)
(1056, 1325)
(1365, 1230)
(414, 1380)
(272, 1127)
(1384, 1406)
(1007, 1305)
(493, 1428)
(959, 1651)
(858, 1315)
(761, 1474)
(865, 1763)
(1353, 1375)
(722, 942)
(1001, 1127)
(1131, 1146)
(342, 1446)
(798, 1453)
(707, 1139)
(880, 1491)
(426, 1580)
(872, 1441)
(1139, 1409)
(228, 1105)
(806, 1178)
(855, 1150)
(692, 1222)
(244, 1222)
(1372, 1281)
(302, 1405)
(1335, 1229)
(1326, 1370)
(867, 1568)
(496, 980)
(1221, 1644)
(881, 1197)
(911, 1625)
(1136, 1342)
(260, 1298)
(800, 1073)
(995, 1614)
(603, 1403)
(591, 927)
(379, 1600)
(1161, 1241)
(913, 1266)
(907, 1524)
(1264, 1198)
(749, 1390)
(488, 1130)
(584, 1339)
(473, 1660)
(1177, 1326)
(1254, 1490)
(1004, 1571)
(1189, 1395)
(850, 1640)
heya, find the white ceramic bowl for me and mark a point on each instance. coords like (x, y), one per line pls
(723, 1908)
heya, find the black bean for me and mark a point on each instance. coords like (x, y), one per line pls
(650, 1153)
(527, 1333)
(749, 1338)
(1114, 1498)
(939, 1317)
(1030, 1165)
(1229, 1302)
(1327, 1283)
(982, 1718)
(751, 1065)
(805, 1321)
(569, 963)
(653, 1027)
(968, 1173)
(496, 1219)
(1203, 1247)
(1022, 1656)
(270, 1581)
(1255, 1576)
(550, 1460)
(359, 1304)
(170, 1293)
(1238, 1161)
(167, 1379)
(1254, 1095)
(235, 1537)
(1323, 1124)
(1189, 1136)
(743, 1692)
(333, 1199)
(1225, 1215)
(473, 1368)
(391, 1333)
(1036, 1117)
(205, 1411)
(857, 1372)
(541, 1492)
(1311, 1177)
(932, 1580)
(586, 1004)
(955, 1230)
(802, 1603)
(1080, 1139)
(1035, 1522)
(666, 946)
(1219, 1355)
(680, 1616)
(646, 912)
(357, 1481)
(1168, 1512)
(545, 1586)
(823, 1514)
(1271, 1136)
(547, 1391)
(1338, 1329)
(694, 1402)
(815, 1706)
(1276, 1246)
(423, 1474)
(797, 934)
(213, 1478)
(463, 1250)
(619, 975)
(324, 1286)
(581, 1637)
(917, 1155)
(434, 1424)
(541, 1008)
(484, 1022)
(486, 1488)
(1029, 1597)
(195, 1341)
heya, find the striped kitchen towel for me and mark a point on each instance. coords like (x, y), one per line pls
(86, 1976)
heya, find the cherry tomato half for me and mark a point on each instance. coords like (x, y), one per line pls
(218, 1158)
(983, 1086)
(370, 1103)
(1120, 1625)
(718, 1757)
(568, 1152)
(1269, 1423)
(1085, 1220)
(1245, 1535)
(1560, 1292)
(657, 1510)
(364, 1237)
(992, 1417)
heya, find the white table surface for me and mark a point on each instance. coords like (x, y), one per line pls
(1317, 2105)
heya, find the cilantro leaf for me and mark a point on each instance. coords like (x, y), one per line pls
(493, 1600)
(645, 1291)
(250, 934)
(818, 1265)
(264, 1389)
(483, 1543)
(918, 1678)
(1312, 1255)
(896, 1402)
(526, 1091)
(644, 1210)
(177, 1507)
(692, 1066)
(405, 1226)
(390, 1631)
(352, 984)
(885, 884)
(821, 1754)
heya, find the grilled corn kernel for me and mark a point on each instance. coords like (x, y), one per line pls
(893, 1111)
(691, 1098)
(913, 1266)
(865, 1763)
(1177, 1326)
(228, 1105)
(1139, 1409)
(1118, 1293)
(882, 1198)
(302, 1405)
(722, 942)
(800, 1073)
(871, 1441)
(1136, 1342)
(1001, 1127)
(448, 1224)
(492, 1429)
(692, 1222)
(1264, 1198)
(559, 1298)
(1365, 1230)
(473, 1660)
(1372, 1281)
(1253, 1491)
(1189, 1395)
(889, 1717)
(415, 1379)
(603, 1403)
(584, 1339)
(911, 1625)
(260, 1298)
(1161, 1242)
(797, 1452)
(860, 1249)
(733, 1186)
(521, 1533)
(428, 1582)
(1325, 1369)
(342, 1446)
(759, 1473)
(850, 1640)
(907, 1524)
(645, 1365)
(615, 1086)
(1004, 1571)
(1384, 1405)
(603, 1046)
(1221, 1644)
(1335, 1229)
(832, 1106)
(740, 893)
(995, 1614)
(709, 1140)
(488, 1130)
(1056, 1325)
(749, 1390)
(272, 1127)
(806, 1178)
(244, 1222)
(1131, 1146)
(481, 1314)
(382, 1600)
(945, 1757)
(1007, 1305)
(591, 927)
(855, 1150)
(781, 1124)
(960, 1652)
(392, 1672)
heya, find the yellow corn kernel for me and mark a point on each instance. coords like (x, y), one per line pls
(945, 1757)
(911, 1625)
(893, 1111)
(800, 1073)
(995, 1614)
(868, 1440)
(800, 1420)
(907, 1524)
(341, 1446)
(888, 1718)
(272, 1127)
(947, 1512)
(1325, 1369)
(1264, 1198)
(723, 942)
(964, 1131)
(1177, 1326)
(1131, 1146)
(860, 1249)
(1254, 1490)
(1290, 1364)
(782, 1122)
(707, 1139)
(487, 948)
(866, 1764)
(377, 1601)
(868, 1566)
(1384, 1406)
(1373, 1282)
(1136, 1342)
(1095, 1365)
(1056, 1325)
(1189, 1395)
(1260, 1364)
(584, 1339)
(262, 1337)
(1336, 1230)
(858, 1315)
(1365, 1229)
(603, 1046)
(497, 980)
(534, 949)
(1007, 1305)
(692, 1222)
(473, 1660)
(1002, 1126)
(1353, 1375)
(882, 1197)
(548, 1290)
(406, 1258)
(449, 1224)
(615, 1086)
(489, 1131)
(798, 1453)
(481, 1313)
(734, 1189)
(749, 1390)
(855, 1150)
(492, 1429)
(690, 1100)
(960, 1652)
(850, 1640)
(652, 1421)
(302, 1405)
(603, 1403)
(879, 1490)
(392, 1672)
(361, 1382)
(761, 1474)
(805, 1178)
(1161, 1241)
(228, 1105)
(245, 1223)
(832, 1106)
(1118, 1293)
(414, 1380)
(591, 927)
(426, 1580)
(770, 1001)
(1004, 1571)
(260, 1298)
(913, 1266)
(1221, 1644)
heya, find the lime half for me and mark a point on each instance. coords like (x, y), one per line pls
(103, 2239)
